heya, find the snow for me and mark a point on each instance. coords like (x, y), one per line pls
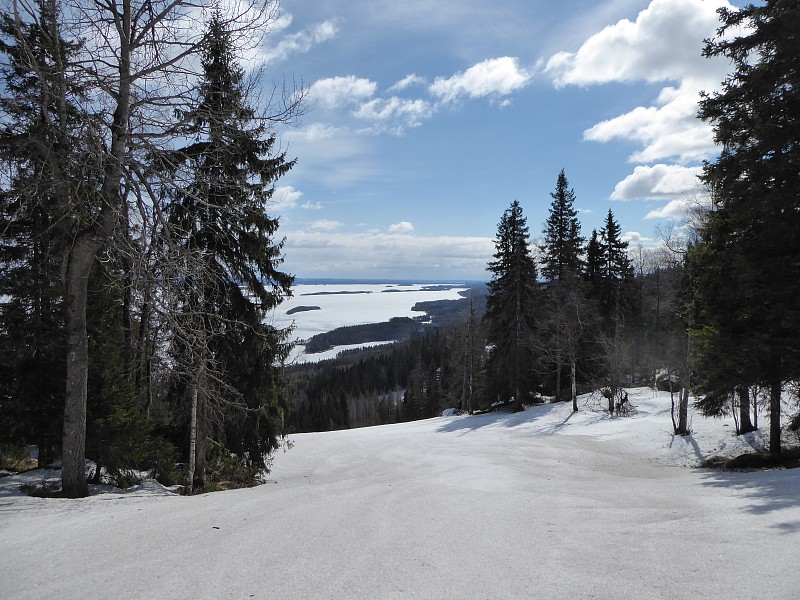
(345, 304)
(539, 504)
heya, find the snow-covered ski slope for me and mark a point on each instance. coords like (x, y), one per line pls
(541, 504)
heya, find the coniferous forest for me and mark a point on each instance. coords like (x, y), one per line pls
(139, 262)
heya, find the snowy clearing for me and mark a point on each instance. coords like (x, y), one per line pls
(539, 504)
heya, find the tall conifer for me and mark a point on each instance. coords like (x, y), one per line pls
(511, 304)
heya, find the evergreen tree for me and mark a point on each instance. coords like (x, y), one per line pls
(614, 287)
(511, 303)
(563, 246)
(755, 187)
(40, 140)
(594, 259)
(562, 249)
(235, 278)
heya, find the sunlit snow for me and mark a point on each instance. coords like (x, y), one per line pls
(540, 504)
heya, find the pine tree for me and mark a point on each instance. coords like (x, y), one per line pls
(229, 239)
(563, 246)
(755, 186)
(511, 303)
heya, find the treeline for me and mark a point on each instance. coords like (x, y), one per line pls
(716, 310)
(415, 379)
(397, 328)
(138, 262)
(617, 318)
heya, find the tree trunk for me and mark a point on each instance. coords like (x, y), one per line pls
(202, 438)
(192, 438)
(558, 376)
(574, 385)
(76, 281)
(683, 411)
(745, 426)
(775, 417)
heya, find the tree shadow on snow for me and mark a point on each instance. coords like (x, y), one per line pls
(767, 491)
(468, 423)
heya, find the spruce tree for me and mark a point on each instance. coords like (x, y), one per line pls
(563, 246)
(221, 218)
(40, 142)
(511, 304)
(754, 181)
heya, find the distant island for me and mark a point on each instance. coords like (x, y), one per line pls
(298, 309)
(335, 293)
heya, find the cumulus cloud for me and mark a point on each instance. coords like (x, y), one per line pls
(663, 44)
(407, 82)
(311, 206)
(658, 182)
(335, 92)
(408, 112)
(675, 210)
(492, 77)
(682, 209)
(286, 197)
(300, 42)
(668, 130)
(401, 227)
(634, 237)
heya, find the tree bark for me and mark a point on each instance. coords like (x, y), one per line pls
(76, 281)
(745, 426)
(775, 417)
(192, 439)
(574, 385)
(683, 411)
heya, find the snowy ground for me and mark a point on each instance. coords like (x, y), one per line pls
(541, 504)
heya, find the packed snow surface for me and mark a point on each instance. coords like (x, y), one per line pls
(539, 504)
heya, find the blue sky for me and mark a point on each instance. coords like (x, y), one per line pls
(425, 120)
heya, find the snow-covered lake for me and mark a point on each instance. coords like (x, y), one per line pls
(540, 504)
(344, 304)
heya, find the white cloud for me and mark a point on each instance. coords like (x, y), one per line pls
(311, 206)
(374, 254)
(286, 197)
(668, 130)
(492, 77)
(634, 237)
(401, 227)
(335, 92)
(300, 42)
(409, 112)
(658, 182)
(663, 44)
(675, 210)
(406, 82)
(325, 225)
(681, 209)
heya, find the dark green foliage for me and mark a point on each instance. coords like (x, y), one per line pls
(226, 233)
(613, 287)
(563, 245)
(746, 278)
(398, 329)
(37, 139)
(511, 309)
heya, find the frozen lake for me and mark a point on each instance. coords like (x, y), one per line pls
(344, 304)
